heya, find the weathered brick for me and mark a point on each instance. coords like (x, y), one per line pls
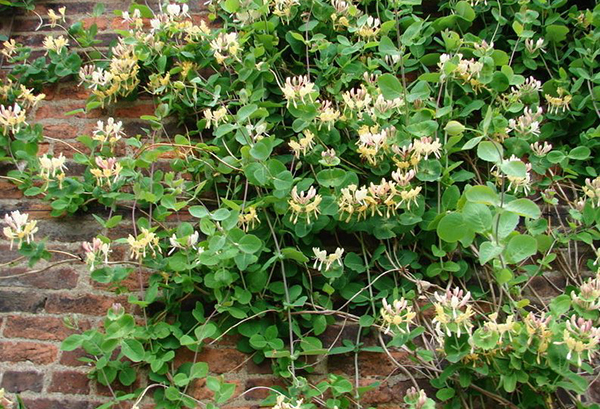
(80, 304)
(220, 360)
(22, 381)
(58, 111)
(9, 190)
(11, 301)
(71, 358)
(38, 353)
(46, 403)
(69, 382)
(54, 278)
(260, 392)
(134, 111)
(38, 327)
(60, 131)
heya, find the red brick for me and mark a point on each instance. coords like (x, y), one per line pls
(134, 111)
(45, 403)
(38, 353)
(71, 358)
(9, 190)
(370, 363)
(68, 150)
(27, 381)
(73, 91)
(53, 279)
(36, 327)
(219, 360)
(58, 111)
(82, 304)
(60, 131)
(261, 384)
(12, 301)
(69, 382)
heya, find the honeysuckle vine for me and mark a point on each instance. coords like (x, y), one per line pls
(352, 162)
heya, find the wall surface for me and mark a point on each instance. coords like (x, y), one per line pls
(34, 305)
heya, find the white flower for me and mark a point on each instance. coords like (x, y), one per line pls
(321, 258)
(19, 228)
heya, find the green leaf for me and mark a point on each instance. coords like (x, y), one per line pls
(199, 370)
(556, 33)
(560, 305)
(488, 251)
(490, 151)
(390, 86)
(199, 211)
(133, 349)
(262, 149)
(451, 228)
(293, 254)
(580, 153)
(250, 244)
(514, 168)
(477, 217)
(483, 194)
(524, 207)
(520, 247)
(445, 394)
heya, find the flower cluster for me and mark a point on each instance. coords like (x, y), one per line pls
(453, 313)
(541, 149)
(145, 242)
(592, 190)
(189, 242)
(55, 44)
(298, 88)
(588, 297)
(509, 327)
(12, 118)
(248, 219)
(53, 168)
(107, 172)
(215, 117)
(560, 103)
(322, 258)
(466, 71)
(581, 338)
(111, 131)
(537, 329)
(527, 124)
(399, 314)
(388, 195)
(303, 145)
(304, 204)
(95, 250)
(19, 228)
(224, 46)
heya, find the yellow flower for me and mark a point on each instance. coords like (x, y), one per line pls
(304, 204)
(55, 44)
(145, 242)
(19, 228)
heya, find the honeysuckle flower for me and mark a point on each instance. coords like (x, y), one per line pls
(322, 258)
(483, 46)
(530, 85)
(283, 8)
(589, 294)
(178, 10)
(427, 146)
(4, 401)
(560, 103)
(145, 242)
(581, 338)
(283, 404)
(357, 100)
(188, 242)
(10, 48)
(409, 196)
(248, 219)
(399, 314)
(527, 124)
(417, 399)
(537, 330)
(539, 149)
(392, 59)
(298, 88)
(108, 171)
(342, 14)
(372, 143)
(19, 228)
(453, 313)
(383, 106)
(214, 118)
(509, 327)
(533, 46)
(592, 190)
(304, 204)
(53, 168)
(94, 250)
(406, 157)
(224, 46)
(328, 115)
(257, 131)
(110, 132)
(303, 145)
(55, 44)
(369, 28)
(26, 95)
(12, 118)
(55, 18)
(353, 200)
(329, 157)
(403, 178)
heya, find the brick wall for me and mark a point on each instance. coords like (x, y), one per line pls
(35, 305)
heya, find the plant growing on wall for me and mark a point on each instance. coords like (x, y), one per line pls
(339, 161)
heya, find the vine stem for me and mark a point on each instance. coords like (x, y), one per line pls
(287, 295)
